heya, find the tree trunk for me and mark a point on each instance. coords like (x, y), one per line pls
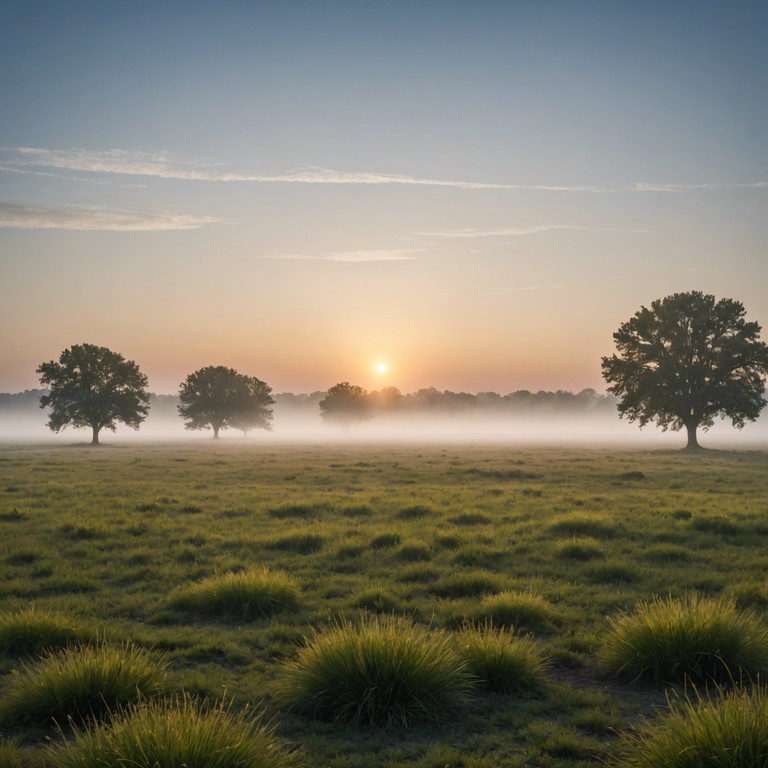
(95, 439)
(215, 431)
(693, 443)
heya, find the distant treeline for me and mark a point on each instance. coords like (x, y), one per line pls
(387, 401)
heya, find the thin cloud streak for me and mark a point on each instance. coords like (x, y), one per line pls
(469, 232)
(708, 187)
(96, 219)
(160, 165)
(163, 165)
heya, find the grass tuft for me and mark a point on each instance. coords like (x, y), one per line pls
(583, 525)
(696, 639)
(174, 734)
(380, 670)
(730, 731)
(500, 660)
(466, 584)
(239, 596)
(31, 631)
(80, 683)
(579, 548)
(13, 755)
(519, 610)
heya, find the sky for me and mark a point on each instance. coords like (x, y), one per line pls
(466, 195)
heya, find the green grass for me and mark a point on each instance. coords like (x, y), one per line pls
(441, 534)
(515, 610)
(502, 661)
(689, 639)
(30, 631)
(719, 731)
(385, 671)
(179, 733)
(256, 593)
(80, 683)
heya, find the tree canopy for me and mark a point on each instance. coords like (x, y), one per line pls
(345, 403)
(93, 387)
(686, 360)
(217, 397)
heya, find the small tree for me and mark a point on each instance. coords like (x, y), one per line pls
(345, 403)
(217, 397)
(93, 387)
(686, 360)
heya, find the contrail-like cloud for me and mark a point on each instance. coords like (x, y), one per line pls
(707, 187)
(469, 232)
(162, 165)
(96, 219)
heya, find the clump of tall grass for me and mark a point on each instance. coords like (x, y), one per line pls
(612, 572)
(715, 524)
(174, 734)
(466, 584)
(380, 670)
(239, 595)
(81, 683)
(31, 631)
(501, 660)
(12, 755)
(579, 548)
(694, 638)
(583, 525)
(519, 610)
(726, 731)
(376, 598)
(414, 552)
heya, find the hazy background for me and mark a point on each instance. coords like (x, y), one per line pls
(477, 194)
(556, 418)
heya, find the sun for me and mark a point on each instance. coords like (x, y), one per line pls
(381, 367)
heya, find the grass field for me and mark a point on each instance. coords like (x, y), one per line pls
(547, 544)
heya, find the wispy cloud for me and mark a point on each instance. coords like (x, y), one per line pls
(163, 166)
(469, 232)
(82, 218)
(357, 256)
(655, 187)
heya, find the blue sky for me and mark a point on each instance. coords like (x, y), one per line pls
(476, 193)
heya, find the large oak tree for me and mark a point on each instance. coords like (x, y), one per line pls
(93, 387)
(685, 360)
(218, 397)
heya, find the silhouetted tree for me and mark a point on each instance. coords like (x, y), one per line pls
(218, 397)
(93, 387)
(257, 411)
(345, 403)
(686, 360)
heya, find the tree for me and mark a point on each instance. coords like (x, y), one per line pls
(93, 387)
(257, 411)
(345, 403)
(686, 360)
(217, 397)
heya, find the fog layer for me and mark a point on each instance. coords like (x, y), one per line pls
(556, 418)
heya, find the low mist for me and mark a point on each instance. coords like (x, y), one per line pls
(561, 421)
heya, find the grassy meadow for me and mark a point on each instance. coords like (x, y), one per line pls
(236, 566)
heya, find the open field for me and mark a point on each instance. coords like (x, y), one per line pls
(113, 536)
